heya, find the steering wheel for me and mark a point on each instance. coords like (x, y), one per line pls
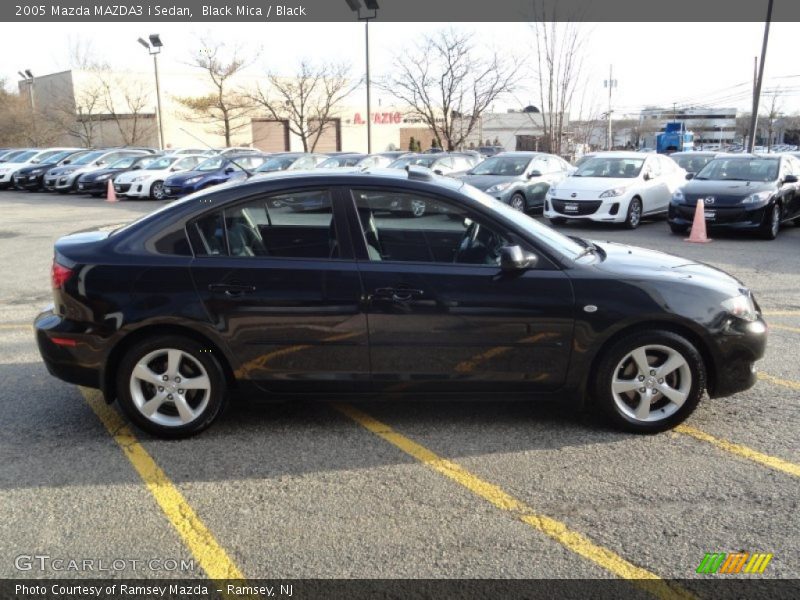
(467, 242)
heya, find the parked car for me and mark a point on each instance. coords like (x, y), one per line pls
(519, 179)
(441, 163)
(232, 291)
(487, 151)
(238, 150)
(693, 162)
(291, 161)
(744, 192)
(214, 170)
(65, 179)
(616, 187)
(584, 158)
(32, 178)
(341, 160)
(191, 151)
(95, 182)
(148, 182)
(23, 160)
(12, 153)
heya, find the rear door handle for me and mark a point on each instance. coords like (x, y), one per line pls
(402, 294)
(231, 289)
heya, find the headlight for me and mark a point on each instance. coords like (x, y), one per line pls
(678, 196)
(4, 171)
(139, 178)
(36, 172)
(498, 187)
(68, 172)
(613, 193)
(757, 198)
(103, 177)
(193, 179)
(741, 306)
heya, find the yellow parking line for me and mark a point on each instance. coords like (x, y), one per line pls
(787, 383)
(201, 542)
(773, 462)
(781, 313)
(16, 326)
(572, 540)
(784, 328)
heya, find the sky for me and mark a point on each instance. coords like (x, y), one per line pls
(655, 64)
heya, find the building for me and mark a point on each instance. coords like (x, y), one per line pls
(715, 126)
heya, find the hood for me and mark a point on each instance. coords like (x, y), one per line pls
(130, 175)
(589, 188)
(724, 192)
(180, 178)
(626, 261)
(484, 182)
(43, 166)
(92, 175)
(71, 169)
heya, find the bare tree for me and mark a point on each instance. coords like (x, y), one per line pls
(742, 127)
(126, 103)
(448, 86)
(308, 101)
(772, 115)
(558, 50)
(225, 107)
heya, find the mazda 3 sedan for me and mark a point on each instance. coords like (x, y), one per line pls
(230, 291)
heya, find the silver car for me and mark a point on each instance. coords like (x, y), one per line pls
(519, 179)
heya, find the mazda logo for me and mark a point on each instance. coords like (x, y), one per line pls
(709, 200)
(573, 195)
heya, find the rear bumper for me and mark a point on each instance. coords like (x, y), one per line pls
(81, 363)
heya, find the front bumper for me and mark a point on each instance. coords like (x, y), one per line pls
(80, 363)
(65, 182)
(719, 217)
(176, 191)
(605, 210)
(739, 344)
(128, 189)
(29, 182)
(92, 187)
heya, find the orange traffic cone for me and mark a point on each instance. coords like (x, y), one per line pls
(111, 195)
(698, 233)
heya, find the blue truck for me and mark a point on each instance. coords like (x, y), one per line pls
(674, 138)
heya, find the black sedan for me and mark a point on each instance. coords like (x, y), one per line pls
(231, 290)
(32, 178)
(742, 192)
(96, 182)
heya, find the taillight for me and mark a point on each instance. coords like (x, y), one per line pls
(59, 275)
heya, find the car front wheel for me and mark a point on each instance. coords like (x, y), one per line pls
(171, 386)
(517, 202)
(772, 223)
(649, 381)
(157, 191)
(634, 216)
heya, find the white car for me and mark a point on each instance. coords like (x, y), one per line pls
(148, 182)
(193, 151)
(616, 187)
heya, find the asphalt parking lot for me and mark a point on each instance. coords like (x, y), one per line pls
(404, 490)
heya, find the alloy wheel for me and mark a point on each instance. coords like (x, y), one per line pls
(158, 190)
(518, 202)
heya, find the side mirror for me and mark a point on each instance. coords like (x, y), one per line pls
(689, 176)
(514, 258)
(228, 170)
(534, 173)
(438, 171)
(100, 163)
(647, 176)
(136, 167)
(174, 169)
(66, 162)
(790, 179)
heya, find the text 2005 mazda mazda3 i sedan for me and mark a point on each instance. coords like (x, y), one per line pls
(246, 289)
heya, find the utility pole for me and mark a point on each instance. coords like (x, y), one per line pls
(759, 79)
(610, 84)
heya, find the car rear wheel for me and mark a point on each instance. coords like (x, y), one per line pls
(517, 202)
(649, 381)
(634, 216)
(171, 386)
(157, 191)
(772, 223)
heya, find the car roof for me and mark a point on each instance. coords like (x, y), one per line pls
(620, 154)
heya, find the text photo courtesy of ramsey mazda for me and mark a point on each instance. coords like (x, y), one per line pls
(381, 299)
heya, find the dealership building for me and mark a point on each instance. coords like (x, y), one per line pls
(113, 108)
(709, 125)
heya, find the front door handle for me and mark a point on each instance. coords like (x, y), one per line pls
(231, 289)
(402, 294)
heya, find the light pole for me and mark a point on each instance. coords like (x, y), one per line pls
(154, 48)
(355, 6)
(610, 83)
(27, 77)
(757, 91)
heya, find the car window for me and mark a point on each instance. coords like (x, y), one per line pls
(611, 167)
(406, 227)
(291, 225)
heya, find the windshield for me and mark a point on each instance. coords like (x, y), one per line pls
(45, 155)
(509, 166)
(550, 237)
(339, 161)
(160, 163)
(741, 169)
(87, 158)
(211, 164)
(616, 168)
(280, 163)
(420, 161)
(58, 156)
(24, 156)
(692, 164)
(123, 163)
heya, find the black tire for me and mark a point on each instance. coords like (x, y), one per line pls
(678, 229)
(157, 191)
(606, 371)
(634, 216)
(772, 223)
(517, 202)
(557, 220)
(211, 408)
